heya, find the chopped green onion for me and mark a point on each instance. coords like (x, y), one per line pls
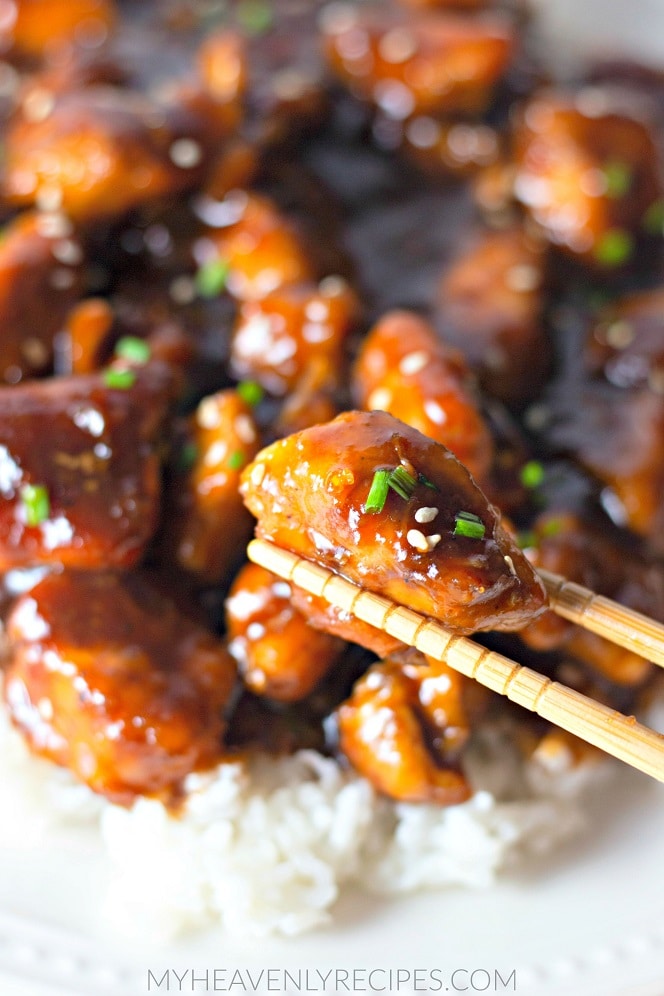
(619, 177)
(526, 539)
(403, 482)
(653, 219)
(255, 16)
(467, 524)
(250, 392)
(532, 474)
(133, 349)
(119, 379)
(210, 279)
(236, 460)
(378, 492)
(551, 528)
(614, 248)
(427, 483)
(36, 503)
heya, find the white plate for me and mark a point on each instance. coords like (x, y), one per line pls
(589, 922)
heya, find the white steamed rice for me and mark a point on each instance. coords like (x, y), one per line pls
(267, 849)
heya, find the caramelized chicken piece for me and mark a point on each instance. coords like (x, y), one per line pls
(102, 151)
(40, 279)
(36, 29)
(456, 148)
(490, 307)
(404, 369)
(618, 436)
(587, 173)
(408, 62)
(403, 726)
(278, 339)
(626, 342)
(80, 468)
(278, 654)
(261, 248)
(310, 491)
(208, 525)
(600, 559)
(111, 680)
(85, 338)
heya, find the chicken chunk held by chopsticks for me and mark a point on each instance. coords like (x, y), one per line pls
(395, 512)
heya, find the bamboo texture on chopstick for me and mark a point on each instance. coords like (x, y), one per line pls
(621, 736)
(627, 628)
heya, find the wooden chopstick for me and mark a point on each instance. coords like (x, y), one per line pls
(621, 736)
(627, 628)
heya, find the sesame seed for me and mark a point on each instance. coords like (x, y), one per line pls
(207, 414)
(412, 363)
(510, 563)
(244, 429)
(379, 400)
(185, 153)
(426, 514)
(418, 540)
(257, 474)
(433, 540)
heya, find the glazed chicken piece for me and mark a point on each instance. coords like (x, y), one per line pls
(80, 467)
(489, 305)
(278, 654)
(373, 499)
(404, 369)
(587, 172)
(208, 525)
(413, 707)
(101, 151)
(31, 28)
(111, 680)
(618, 436)
(626, 342)
(410, 62)
(597, 557)
(40, 279)
(262, 250)
(279, 339)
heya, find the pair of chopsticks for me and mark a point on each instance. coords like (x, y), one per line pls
(619, 735)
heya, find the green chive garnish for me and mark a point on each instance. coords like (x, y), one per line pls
(619, 177)
(133, 349)
(250, 392)
(403, 482)
(427, 483)
(210, 278)
(532, 474)
(614, 248)
(378, 492)
(236, 460)
(119, 379)
(36, 503)
(255, 16)
(551, 528)
(526, 539)
(467, 524)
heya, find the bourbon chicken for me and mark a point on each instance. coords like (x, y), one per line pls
(334, 273)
